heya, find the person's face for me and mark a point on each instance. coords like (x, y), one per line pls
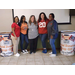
(50, 17)
(32, 19)
(16, 20)
(23, 19)
(42, 16)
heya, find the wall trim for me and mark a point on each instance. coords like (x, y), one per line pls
(42, 49)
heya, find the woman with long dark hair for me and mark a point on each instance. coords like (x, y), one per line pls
(24, 28)
(42, 29)
(15, 35)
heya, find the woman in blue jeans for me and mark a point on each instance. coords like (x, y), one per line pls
(42, 29)
(24, 37)
(52, 29)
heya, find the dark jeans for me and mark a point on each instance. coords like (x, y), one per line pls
(24, 37)
(33, 44)
(43, 39)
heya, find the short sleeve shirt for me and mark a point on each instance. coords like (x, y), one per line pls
(17, 29)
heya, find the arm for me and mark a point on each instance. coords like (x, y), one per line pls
(19, 24)
(27, 25)
(37, 25)
(13, 30)
(54, 28)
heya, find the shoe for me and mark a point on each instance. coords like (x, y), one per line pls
(23, 52)
(53, 55)
(26, 51)
(34, 52)
(31, 52)
(44, 51)
(2, 54)
(50, 53)
(17, 55)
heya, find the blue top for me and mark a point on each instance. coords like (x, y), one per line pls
(52, 29)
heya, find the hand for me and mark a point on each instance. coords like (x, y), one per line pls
(48, 40)
(51, 37)
(15, 38)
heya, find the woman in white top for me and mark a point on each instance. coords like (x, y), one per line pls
(33, 33)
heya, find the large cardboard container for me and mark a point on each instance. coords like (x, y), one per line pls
(5, 44)
(67, 42)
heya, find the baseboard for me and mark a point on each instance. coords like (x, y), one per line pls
(42, 49)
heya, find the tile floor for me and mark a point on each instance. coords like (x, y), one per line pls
(37, 59)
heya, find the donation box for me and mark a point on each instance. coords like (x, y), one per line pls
(67, 42)
(6, 48)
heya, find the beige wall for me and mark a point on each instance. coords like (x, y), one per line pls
(6, 20)
(28, 12)
(69, 26)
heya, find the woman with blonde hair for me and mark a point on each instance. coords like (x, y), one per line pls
(33, 33)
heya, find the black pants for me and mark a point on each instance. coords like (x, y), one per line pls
(33, 44)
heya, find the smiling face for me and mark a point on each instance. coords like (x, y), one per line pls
(50, 17)
(23, 19)
(16, 20)
(32, 19)
(42, 16)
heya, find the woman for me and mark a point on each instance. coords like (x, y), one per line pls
(42, 29)
(52, 28)
(15, 36)
(24, 28)
(33, 34)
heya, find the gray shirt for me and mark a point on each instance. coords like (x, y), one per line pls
(33, 31)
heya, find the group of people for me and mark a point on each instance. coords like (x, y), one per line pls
(30, 31)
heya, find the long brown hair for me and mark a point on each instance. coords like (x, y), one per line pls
(16, 17)
(45, 17)
(34, 20)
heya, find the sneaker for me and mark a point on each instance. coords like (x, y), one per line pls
(31, 52)
(2, 54)
(53, 55)
(44, 51)
(34, 52)
(50, 53)
(26, 51)
(17, 55)
(23, 52)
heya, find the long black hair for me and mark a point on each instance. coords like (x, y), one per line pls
(45, 17)
(21, 20)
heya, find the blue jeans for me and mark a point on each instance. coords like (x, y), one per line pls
(43, 39)
(52, 43)
(24, 37)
